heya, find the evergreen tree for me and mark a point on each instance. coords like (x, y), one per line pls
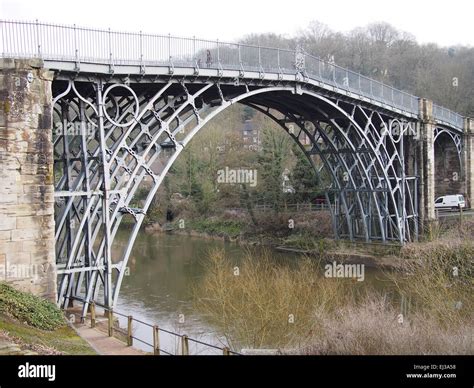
(272, 160)
(304, 179)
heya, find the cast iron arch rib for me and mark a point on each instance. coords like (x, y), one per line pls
(138, 130)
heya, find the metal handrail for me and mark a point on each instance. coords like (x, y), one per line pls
(57, 42)
(182, 337)
(443, 114)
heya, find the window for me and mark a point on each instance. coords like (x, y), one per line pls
(439, 200)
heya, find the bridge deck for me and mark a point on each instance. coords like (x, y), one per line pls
(81, 50)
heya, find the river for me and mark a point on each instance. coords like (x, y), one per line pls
(164, 268)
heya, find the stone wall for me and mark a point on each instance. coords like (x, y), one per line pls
(27, 258)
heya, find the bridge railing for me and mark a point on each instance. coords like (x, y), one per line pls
(71, 43)
(443, 114)
(184, 340)
(128, 326)
(349, 80)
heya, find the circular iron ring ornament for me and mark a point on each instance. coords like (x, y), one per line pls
(137, 105)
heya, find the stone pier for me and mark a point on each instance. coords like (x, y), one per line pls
(427, 165)
(469, 159)
(27, 257)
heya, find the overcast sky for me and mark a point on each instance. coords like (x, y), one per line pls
(443, 22)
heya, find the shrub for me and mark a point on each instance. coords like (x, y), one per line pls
(440, 278)
(266, 305)
(31, 309)
(342, 316)
(372, 327)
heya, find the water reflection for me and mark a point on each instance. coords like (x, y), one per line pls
(164, 269)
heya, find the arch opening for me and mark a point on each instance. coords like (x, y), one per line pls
(449, 174)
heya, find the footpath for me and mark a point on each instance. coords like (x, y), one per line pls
(99, 339)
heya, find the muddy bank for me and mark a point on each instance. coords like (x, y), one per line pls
(379, 256)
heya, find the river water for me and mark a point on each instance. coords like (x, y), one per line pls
(164, 268)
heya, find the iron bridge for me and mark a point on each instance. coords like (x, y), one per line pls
(139, 99)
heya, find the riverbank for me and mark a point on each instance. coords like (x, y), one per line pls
(297, 240)
(423, 309)
(167, 268)
(303, 239)
(30, 325)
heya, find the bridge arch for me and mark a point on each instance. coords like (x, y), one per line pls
(126, 133)
(449, 166)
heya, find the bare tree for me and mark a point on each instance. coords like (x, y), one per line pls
(382, 33)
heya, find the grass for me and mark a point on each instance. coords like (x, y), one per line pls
(30, 309)
(440, 278)
(306, 241)
(62, 340)
(268, 305)
(219, 227)
(373, 327)
(37, 324)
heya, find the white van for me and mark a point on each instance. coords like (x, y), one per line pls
(450, 202)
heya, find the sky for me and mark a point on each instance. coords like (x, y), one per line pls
(445, 23)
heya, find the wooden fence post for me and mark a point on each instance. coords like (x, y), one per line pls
(129, 331)
(92, 306)
(111, 322)
(184, 345)
(156, 340)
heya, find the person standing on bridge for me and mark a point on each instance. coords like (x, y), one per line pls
(208, 58)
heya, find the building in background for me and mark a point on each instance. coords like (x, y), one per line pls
(251, 136)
